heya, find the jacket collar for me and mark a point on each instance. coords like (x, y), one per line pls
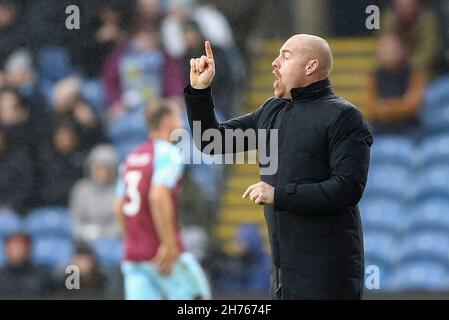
(312, 91)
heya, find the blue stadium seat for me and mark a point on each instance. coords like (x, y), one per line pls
(419, 275)
(131, 126)
(431, 214)
(436, 119)
(383, 268)
(10, 223)
(380, 247)
(54, 64)
(431, 182)
(108, 251)
(434, 115)
(433, 150)
(425, 245)
(389, 180)
(436, 93)
(381, 213)
(51, 221)
(124, 148)
(395, 149)
(52, 251)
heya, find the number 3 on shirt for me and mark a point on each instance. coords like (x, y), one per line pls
(132, 180)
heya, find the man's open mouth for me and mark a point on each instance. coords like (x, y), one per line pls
(276, 79)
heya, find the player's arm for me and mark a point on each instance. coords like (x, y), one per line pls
(163, 214)
(168, 169)
(119, 214)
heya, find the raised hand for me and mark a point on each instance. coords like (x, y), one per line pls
(202, 70)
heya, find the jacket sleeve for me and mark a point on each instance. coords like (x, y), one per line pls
(202, 117)
(349, 151)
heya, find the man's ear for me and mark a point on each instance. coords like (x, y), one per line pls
(312, 66)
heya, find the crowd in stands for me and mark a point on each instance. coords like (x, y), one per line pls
(406, 201)
(71, 108)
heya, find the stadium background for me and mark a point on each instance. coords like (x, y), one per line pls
(70, 110)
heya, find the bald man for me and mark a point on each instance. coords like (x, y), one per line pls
(310, 203)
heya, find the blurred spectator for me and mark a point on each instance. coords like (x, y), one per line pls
(13, 33)
(192, 205)
(150, 11)
(46, 19)
(254, 258)
(443, 9)
(418, 28)
(21, 75)
(16, 175)
(20, 278)
(102, 32)
(88, 124)
(244, 267)
(92, 278)
(15, 119)
(214, 25)
(92, 198)
(145, 71)
(196, 240)
(394, 91)
(65, 93)
(60, 165)
(178, 13)
(223, 82)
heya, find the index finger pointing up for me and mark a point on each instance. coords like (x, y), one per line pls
(208, 47)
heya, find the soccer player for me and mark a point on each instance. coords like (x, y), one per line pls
(155, 265)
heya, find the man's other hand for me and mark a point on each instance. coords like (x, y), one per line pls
(260, 193)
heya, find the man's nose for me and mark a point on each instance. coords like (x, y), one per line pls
(274, 64)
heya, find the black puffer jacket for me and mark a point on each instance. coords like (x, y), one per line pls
(314, 225)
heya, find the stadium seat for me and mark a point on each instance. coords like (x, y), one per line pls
(430, 182)
(429, 215)
(425, 245)
(10, 223)
(381, 213)
(433, 150)
(436, 92)
(436, 119)
(54, 64)
(389, 180)
(395, 149)
(419, 275)
(93, 91)
(130, 126)
(52, 251)
(50, 221)
(109, 252)
(381, 247)
(124, 148)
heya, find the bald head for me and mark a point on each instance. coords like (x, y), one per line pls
(303, 59)
(314, 48)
